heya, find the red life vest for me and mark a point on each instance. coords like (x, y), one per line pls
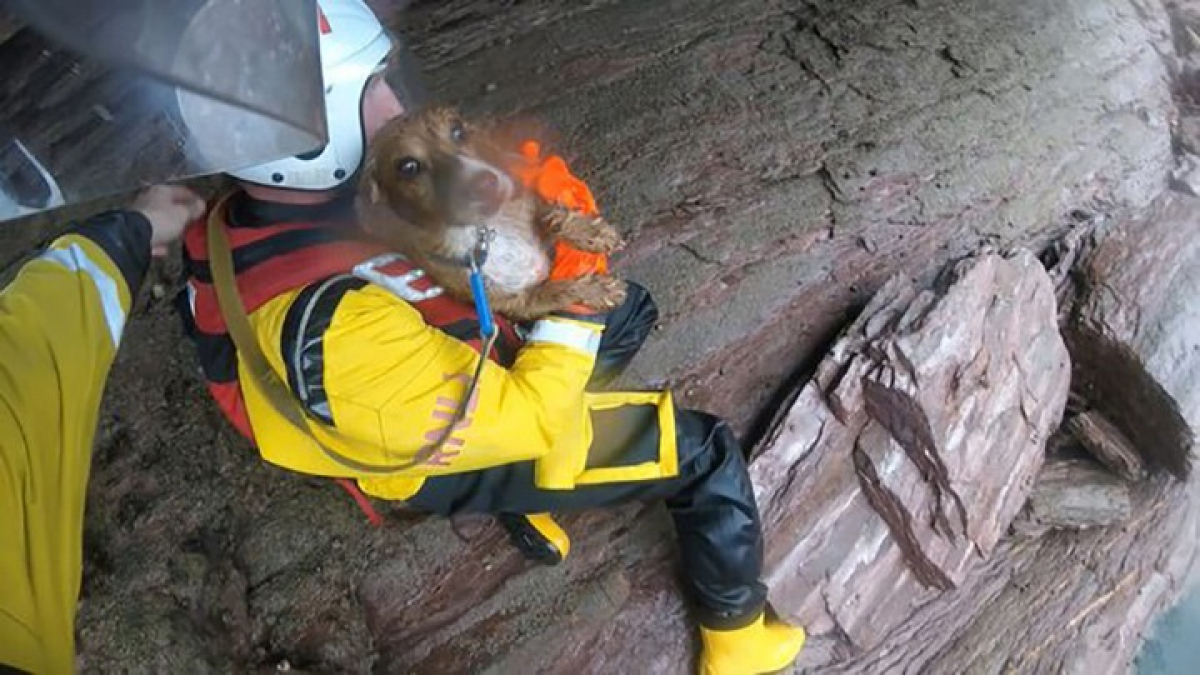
(275, 258)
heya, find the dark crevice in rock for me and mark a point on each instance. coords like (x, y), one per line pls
(904, 419)
(892, 509)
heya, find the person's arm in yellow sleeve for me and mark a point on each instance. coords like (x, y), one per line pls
(61, 321)
(392, 383)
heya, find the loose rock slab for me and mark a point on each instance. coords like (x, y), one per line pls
(910, 452)
(1073, 494)
(1107, 444)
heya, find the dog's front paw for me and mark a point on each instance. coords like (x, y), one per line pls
(598, 236)
(591, 234)
(600, 292)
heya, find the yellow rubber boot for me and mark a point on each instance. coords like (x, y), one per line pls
(537, 537)
(761, 647)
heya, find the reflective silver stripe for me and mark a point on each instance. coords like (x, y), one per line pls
(74, 258)
(302, 330)
(567, 334)
(398, 285)
(191, 296)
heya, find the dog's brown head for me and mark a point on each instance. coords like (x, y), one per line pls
(435, 170)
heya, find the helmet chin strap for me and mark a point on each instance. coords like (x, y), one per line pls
(285, 195)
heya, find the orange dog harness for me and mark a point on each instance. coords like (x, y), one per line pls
(554, 182)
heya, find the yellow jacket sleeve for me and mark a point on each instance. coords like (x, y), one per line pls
(61, 320)
(393, 382)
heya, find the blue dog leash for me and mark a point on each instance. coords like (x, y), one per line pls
(487, 329)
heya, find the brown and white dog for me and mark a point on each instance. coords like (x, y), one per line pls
(433, 185)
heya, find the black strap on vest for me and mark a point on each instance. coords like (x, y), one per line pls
(302, 340)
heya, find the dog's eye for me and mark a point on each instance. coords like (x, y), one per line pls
(457, 133)
(408, 167)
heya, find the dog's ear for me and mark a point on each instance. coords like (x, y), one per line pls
(368, 186)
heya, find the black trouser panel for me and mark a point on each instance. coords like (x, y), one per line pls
(625, 330)
(711, 502)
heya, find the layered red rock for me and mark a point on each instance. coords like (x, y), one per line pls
(905, 459)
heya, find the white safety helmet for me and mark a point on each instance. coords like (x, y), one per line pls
(354, 46)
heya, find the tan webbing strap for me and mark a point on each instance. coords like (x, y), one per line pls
(276, 391)
(220, 260)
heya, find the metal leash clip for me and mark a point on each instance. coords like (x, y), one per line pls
(483, 245)
(477, 258)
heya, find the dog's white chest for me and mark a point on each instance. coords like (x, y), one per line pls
(516, 258)
(516, 261)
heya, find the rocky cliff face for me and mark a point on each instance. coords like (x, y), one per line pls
(775, 164)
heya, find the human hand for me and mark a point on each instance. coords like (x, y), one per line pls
(169, 208)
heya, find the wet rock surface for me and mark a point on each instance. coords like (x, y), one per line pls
(773, 164)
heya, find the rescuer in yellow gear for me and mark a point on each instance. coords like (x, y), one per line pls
(340, 359)
(61, 320)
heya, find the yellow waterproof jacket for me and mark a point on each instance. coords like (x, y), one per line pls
(378, 382)
(61, 320)
(392, 382)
